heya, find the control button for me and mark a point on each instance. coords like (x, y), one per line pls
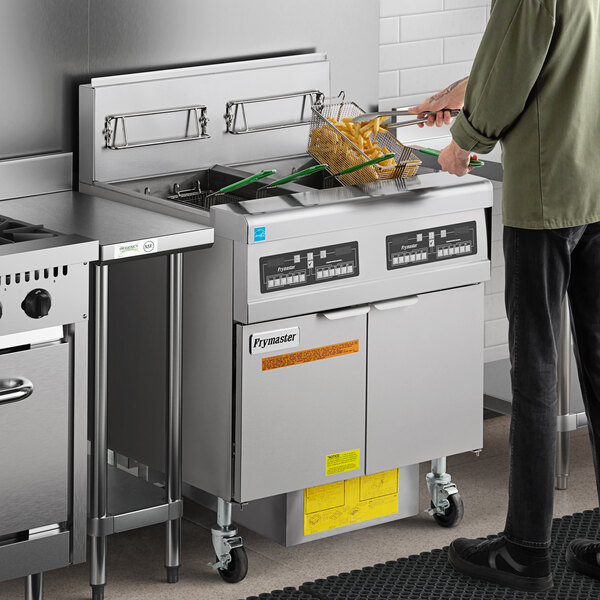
(443, 233)
(296, 258)
(37, 304)
(419, 237)
(323, 254)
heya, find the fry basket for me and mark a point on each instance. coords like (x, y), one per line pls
(327, 144)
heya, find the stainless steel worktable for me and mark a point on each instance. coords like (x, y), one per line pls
(125, 232)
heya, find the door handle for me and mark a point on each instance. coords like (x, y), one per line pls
(397, 303)
(344, 313)
(13, 390)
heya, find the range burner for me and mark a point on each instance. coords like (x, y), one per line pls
(13, 232)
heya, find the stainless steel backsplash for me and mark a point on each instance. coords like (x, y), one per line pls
(49, 47)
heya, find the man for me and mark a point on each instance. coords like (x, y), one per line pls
(534, 87)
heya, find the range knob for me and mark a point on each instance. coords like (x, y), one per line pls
(37, 303)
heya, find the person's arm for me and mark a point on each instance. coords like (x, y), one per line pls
(450, 98)
(505, 71)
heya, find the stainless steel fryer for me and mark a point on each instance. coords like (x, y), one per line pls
(329, 334)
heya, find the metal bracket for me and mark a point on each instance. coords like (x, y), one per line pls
(236, 109)
(113, 122)
(570, 422)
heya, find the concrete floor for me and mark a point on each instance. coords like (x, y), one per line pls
(135, 559)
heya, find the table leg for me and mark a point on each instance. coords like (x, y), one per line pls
(99, 481)
(173, 541)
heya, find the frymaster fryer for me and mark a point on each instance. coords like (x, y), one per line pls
(328, 333)
(43, 384)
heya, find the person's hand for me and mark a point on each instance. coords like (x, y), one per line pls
(453, 97)
(453, 159)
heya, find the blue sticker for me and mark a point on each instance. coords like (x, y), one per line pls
(260, 234)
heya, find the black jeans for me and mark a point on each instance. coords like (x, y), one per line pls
(541, 266)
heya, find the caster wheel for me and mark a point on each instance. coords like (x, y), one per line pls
(453, 515)
(97, 592)
(237, 568)
(172, 574)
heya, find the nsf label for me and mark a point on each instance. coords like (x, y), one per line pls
(137, 248)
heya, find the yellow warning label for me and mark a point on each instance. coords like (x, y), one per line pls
(304, 356)
(352, 501)
(342, 461)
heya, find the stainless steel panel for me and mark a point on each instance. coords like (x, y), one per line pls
(35, 440)
(425, 388)
(111, 223)
(289, 419)
(208, 369)
(137, 360)
(39, 553)
(145, 34)
(68, 292)
(374, 283)
(79, 360)
(37, 175)
(212, 86)
(44, 49)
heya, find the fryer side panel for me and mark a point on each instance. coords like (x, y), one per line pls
(208, 369)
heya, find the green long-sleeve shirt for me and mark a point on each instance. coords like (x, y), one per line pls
(535, 87)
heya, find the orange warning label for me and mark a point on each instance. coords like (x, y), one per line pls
(304, 356)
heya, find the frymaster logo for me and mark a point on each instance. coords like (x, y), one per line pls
(268, 341)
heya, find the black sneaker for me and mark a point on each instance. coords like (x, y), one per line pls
(500, 561)
(584, 556)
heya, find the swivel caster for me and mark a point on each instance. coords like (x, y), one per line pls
(453, 514)
(232, 559)
(446, 507)
(237, 568)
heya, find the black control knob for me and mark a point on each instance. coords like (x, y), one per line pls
(37, 303)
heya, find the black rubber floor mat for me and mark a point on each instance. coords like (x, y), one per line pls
(428, 576)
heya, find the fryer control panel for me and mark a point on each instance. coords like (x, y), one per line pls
(307, 267)
(431, 245)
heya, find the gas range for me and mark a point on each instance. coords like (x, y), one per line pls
(40, 273)
(14, 232)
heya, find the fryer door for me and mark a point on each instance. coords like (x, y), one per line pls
(300, 409)
(34, 438)
(425, 392)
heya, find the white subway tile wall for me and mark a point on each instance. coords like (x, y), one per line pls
(425, 45)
